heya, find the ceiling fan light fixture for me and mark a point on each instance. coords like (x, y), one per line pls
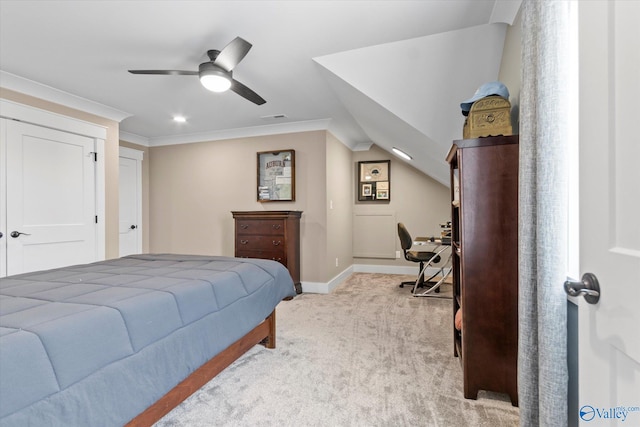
(216, 75)
(215, 83)
(213, 78)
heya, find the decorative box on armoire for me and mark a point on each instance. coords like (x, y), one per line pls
(270, 235)
(490, 116)
(484, 227)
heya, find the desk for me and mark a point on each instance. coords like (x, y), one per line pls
(438, 247)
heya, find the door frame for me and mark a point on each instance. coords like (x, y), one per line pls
(15, 111)
(137, 155)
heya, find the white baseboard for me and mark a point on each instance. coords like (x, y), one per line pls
(325, 288)
(385, 269)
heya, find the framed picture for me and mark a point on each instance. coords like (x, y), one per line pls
(374, 180)
(276, 176)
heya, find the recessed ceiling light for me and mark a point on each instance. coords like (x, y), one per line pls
(179, 119)
(401, 153)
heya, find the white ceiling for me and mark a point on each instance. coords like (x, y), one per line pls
(386, 72)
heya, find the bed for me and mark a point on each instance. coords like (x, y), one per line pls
(122, 342)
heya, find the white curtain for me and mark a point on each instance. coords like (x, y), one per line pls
(542, 348)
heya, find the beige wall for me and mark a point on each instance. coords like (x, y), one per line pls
(510, 68)
(194, 187)
(111, 160)
(339, 205)
(418, 201)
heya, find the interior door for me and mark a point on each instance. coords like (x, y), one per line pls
(50, 198)
(3, 198)
(130, 183)
(609, 90)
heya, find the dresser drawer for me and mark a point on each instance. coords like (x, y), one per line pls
(275, 255)
(259, 242)
(256, 226)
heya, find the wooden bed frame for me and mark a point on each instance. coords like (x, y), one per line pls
(264, 333)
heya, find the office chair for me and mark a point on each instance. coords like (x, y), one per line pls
(406, 242)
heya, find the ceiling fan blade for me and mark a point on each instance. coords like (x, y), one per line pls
(232, 54)
(246, 93)
(166, 72)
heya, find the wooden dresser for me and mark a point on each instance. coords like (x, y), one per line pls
(270, 235)
(484, 227)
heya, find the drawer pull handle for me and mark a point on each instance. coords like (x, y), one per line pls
(244, 226)
(276, 226)
(276, 242)
(244, 242)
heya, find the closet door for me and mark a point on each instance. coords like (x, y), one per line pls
(50, 198)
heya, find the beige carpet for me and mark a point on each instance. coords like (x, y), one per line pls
(368, 354)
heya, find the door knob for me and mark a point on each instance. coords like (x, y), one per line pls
(133, 227)
(15, 234)
(588, 287)
(1, 234)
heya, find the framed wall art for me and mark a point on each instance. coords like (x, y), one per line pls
(374, 181)
(276, 176)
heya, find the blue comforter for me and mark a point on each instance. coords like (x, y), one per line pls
(96, 344)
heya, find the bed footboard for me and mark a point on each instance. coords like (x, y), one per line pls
(264, 333)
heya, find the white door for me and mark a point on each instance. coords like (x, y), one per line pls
(609, 331)
(3, 198)
(50, 198)
(130, 183)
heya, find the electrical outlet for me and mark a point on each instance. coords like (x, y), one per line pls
(398, 254)
(336, 262)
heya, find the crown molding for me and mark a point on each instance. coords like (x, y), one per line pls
(362, 146)
(48, 93)
(134, 139)
(505, 11)
(26, 113)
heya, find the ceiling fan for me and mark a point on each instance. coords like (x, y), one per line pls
(216, 75)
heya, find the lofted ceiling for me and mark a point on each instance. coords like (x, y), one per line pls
(391, 73)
